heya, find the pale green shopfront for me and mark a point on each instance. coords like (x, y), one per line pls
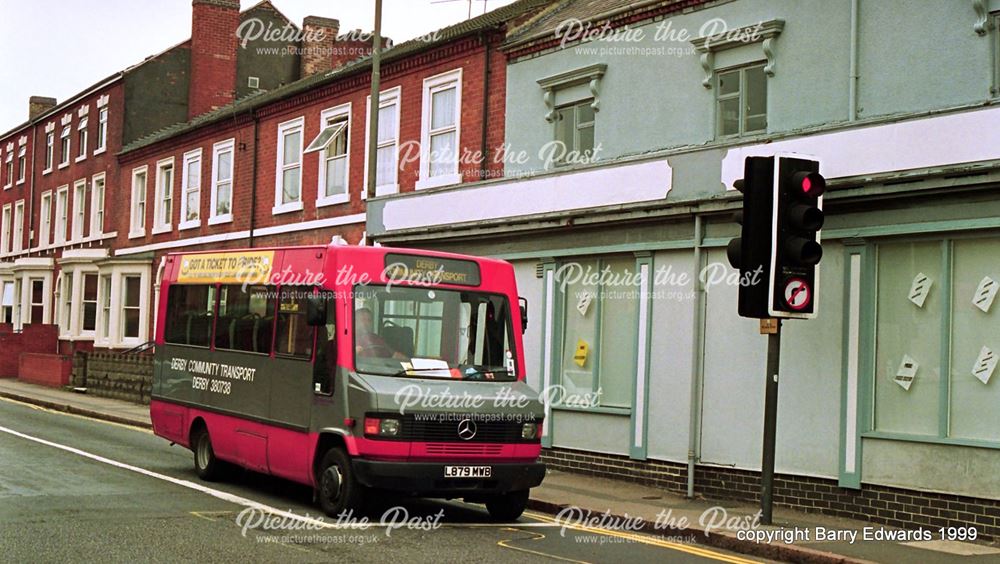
(680, 373)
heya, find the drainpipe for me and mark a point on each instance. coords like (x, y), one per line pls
(253, 175)
(156, 293)
(697, 359)
(486, 107)
(852, 88)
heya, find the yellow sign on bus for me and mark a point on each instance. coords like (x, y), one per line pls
(226, 268)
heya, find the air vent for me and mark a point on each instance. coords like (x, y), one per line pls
(253, 82)
(539, 270)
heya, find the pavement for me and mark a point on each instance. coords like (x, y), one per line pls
(601, 504)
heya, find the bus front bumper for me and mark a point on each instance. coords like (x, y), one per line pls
(428, 478)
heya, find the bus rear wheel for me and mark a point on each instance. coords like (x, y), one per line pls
(206, 464)
(338, 490)
(507, 507)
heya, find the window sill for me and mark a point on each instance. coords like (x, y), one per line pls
(99, 151)
(161, 230)
(81, 158)
(286, 208)
(383, 190)
(136, 234)
(333, 200)
(46, 170)
(601, 410)
(189, 224)
(20, 182)
(948, 441)
(437, 181)
(220, 219)
(63, 165)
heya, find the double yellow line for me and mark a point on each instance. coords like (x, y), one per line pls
(650, 540)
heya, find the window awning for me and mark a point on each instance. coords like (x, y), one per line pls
(329, 133)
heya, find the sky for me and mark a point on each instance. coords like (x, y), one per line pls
(57, 48)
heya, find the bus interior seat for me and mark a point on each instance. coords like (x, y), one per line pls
(400, 338)
(263, 334)
(199, 330)
(244, 330)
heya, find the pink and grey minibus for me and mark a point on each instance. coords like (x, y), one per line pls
(351, 370)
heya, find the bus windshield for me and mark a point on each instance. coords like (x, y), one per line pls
(424, 332)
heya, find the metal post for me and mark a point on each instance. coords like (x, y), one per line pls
(770, 418)
(373, 110)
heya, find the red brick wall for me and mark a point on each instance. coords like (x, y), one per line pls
(35, 339)
(213, 54)
(45, 369)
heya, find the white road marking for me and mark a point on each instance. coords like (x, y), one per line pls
(233, 498)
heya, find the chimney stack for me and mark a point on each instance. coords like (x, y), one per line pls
(38, 105)
(213, 54)
(319, 37)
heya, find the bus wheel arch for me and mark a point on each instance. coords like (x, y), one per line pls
(208, 466)
(336, 487)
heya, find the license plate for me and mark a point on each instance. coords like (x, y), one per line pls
(468, 471)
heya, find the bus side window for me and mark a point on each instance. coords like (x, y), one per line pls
(245, 318)
(190, 310)
(325, 367)
(294, 335)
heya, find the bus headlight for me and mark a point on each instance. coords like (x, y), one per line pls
(389, 427)
(375, 427)
(529, 431)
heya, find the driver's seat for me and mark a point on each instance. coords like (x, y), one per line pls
(399, 338)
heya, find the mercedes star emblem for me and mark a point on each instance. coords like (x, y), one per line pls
(466, 429)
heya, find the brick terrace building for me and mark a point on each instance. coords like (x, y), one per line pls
(229, 140)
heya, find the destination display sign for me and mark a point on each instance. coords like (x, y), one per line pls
(431, 270)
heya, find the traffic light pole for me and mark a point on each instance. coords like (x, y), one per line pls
(772, 327)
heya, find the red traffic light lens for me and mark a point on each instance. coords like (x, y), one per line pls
(811, 183)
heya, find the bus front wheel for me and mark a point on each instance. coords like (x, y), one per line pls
(206, 464)
(338, 490)
(507, 507)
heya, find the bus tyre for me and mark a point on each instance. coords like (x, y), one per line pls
(206, 464)
(507, 507)
(338, 490)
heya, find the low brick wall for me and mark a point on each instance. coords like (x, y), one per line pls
(896, 507)
(126, 377)
(34, 339)
(44, 369)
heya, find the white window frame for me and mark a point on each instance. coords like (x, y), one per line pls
(386, 98)
(97, 203)
(82, 134)
(64, 303)
(6, 223)
(163, 195)
(111, 306)
(10, 169)
(190, 157)
(229, 145)
(61, 215)
(284, 129)
(17, 237)
(45, 219)
(50, 151)
(443, 81)
(22, 164)
(64, 156)
(138, 202)
(79, 209)
(334, 113)
(102, 130)
(78, 304)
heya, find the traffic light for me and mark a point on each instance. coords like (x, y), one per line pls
(798, 196)
(750, 253)
(779, 245)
